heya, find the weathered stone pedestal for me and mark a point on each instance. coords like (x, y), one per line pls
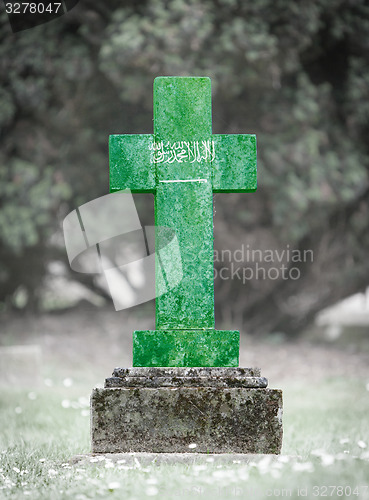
(165, 410)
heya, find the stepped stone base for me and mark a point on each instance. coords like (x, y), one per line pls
(169, 410)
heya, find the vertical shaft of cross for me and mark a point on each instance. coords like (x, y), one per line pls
(184, 200)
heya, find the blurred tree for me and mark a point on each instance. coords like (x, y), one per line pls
(296, 74)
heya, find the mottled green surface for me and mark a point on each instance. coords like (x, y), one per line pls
(182, 108)
(186, 348)
(129, 161)
(183, 164)
(182, 112)
(188, 207)
(234, 166)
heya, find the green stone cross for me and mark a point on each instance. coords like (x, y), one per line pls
(183, 164)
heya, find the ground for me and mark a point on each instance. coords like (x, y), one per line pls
(42, 427)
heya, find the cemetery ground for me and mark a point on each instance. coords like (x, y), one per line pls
(43, 426)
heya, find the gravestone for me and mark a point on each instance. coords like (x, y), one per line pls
(185, 387)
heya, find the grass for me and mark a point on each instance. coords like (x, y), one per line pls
(325, 451)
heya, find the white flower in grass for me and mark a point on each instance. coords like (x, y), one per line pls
(152, 480)
(327, 460)
(210, 459)
(344, 440)
(199, 467)
(42, 460)
(26, 492)
(114, 485)
(361, 444)
(341, 456)
(303, 467)
(8, 483)
(18, 410)
(94, 459)
(218, 473)
(65, 403)
(124, 467)
(192, 446)
(264, 464)
(123, 461)
(243, 474)
(109, 465)
(67, 382)
(275, 473)
(277, 465)
(84, 402)
(32, 396)
(152, 491)
(85, 413)
(225, 474)
(318, 453)
(52, 472)
(15, 469)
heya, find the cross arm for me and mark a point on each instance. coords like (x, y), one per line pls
(131, 163)
(234, 164)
